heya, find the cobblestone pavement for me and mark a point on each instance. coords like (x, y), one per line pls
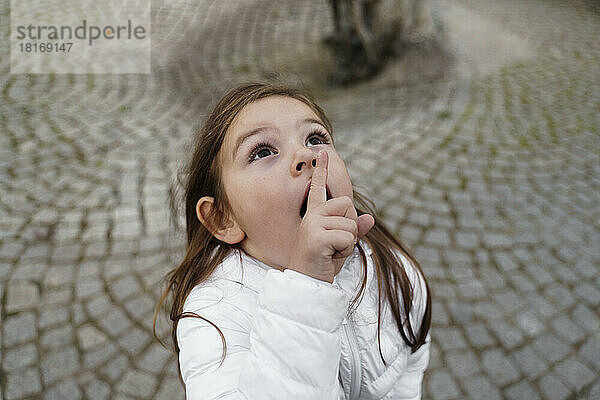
(482, 153)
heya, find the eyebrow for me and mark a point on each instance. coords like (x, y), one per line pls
(262, 129)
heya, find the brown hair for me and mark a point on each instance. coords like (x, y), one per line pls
(204, 252)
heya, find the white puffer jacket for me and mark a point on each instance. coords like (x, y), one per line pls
(288, 336)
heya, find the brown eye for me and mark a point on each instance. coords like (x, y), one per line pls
(259, 151)
(317, 138)
(263, 152)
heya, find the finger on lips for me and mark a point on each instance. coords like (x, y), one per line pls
(317, 194)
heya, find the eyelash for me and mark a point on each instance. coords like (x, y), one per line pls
(259, 146)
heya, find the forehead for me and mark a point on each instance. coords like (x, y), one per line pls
(274, 110)
(281, 112)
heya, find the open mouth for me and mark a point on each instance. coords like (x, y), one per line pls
(305, 202)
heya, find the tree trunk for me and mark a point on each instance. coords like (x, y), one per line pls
(366, 32)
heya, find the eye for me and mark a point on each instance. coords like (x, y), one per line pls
(260, 150)
(317, 137)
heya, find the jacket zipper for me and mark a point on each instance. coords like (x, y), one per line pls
(355, 372)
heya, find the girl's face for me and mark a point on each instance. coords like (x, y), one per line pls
(267, 167)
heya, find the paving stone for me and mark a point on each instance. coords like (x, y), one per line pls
(97, 389)
(11, 249)
(137, 384)
(171, 389)
(461, 272)
(19, 357)
(467, 240)
(509, 300)
(441, 315)
(57, 296)
(96, 250)
(590, 352)
(419, 218)
(58, 337)
(530, 363)
(479, 336)
(588, 293)
(124, 247)
(442, 386)
(505, 261)
(496, 240)
(552, 388)
(89, 336)
(509, 335)
(521, 390)
(58, 275)
(25, 383)
(19, 329)
(560, 295)
(134, 340)
(586, 268)
(22, 296)
(99, 355)
(115, 322)
(59, 364)
(66, 254)
(567, 329)
(574, 373)
(540, 306)
(499, 369)
(437, 237)
(463, 364)
(551, 348)
(461, 312)
(31, 271)
(153, 360)
(99, 305)
(124, 287)
(66, 390)
(491, 278)
(116, 367)
(141, 305)
(472, 290)
(35, 252)
(595, 391)
(521, 282)
(450, 338)
(530, 324)
(479, 387)
(87, 286)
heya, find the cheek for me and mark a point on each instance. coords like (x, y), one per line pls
(262, 203)
(342, 178)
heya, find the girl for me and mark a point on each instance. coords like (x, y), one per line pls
(287, 291)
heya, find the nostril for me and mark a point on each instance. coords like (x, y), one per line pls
(314, 162)
(299, 166)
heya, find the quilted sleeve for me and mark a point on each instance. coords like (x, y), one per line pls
(289, 349)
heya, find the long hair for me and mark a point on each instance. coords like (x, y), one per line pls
(204, 252)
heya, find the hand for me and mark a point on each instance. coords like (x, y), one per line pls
(329, 229)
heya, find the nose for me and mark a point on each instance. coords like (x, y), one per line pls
(303, 158)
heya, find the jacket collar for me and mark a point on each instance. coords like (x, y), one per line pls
(251, 271)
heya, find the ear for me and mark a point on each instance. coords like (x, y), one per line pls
(229, 232)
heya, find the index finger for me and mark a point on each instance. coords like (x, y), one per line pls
(317, 193)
